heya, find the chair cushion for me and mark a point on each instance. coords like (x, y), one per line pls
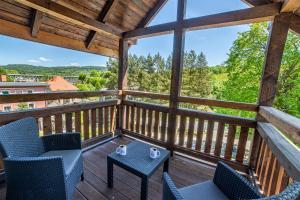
(71, 158)
(205, 190)
(21, 139)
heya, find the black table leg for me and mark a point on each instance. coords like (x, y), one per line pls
(144, 189)
(110, 173)
(166, 165)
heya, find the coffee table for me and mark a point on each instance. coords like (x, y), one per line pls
(138, 162)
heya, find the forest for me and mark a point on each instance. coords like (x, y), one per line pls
(237, 79)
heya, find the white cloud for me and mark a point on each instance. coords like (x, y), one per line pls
(44, 59)
(74, 64)
(33, 61)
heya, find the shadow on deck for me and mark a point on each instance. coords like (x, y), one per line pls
(126, 185)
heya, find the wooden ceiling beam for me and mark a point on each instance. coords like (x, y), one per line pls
(71, 16)
(152, 13)
(256, 2)
(104, 14)
(36, 22)
(238, 17)
(24, 32)
(295, 24)
(290, 5)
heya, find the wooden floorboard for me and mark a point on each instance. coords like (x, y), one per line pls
(183, 171)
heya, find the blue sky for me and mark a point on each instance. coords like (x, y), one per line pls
(215, 43)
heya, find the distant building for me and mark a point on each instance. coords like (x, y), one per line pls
(58, 83)
(55, 84)
(7, 88)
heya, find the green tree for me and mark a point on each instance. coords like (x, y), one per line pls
(244, 67)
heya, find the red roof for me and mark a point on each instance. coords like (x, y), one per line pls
(58, 83)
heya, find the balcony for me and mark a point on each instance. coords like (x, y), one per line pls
(256, 149)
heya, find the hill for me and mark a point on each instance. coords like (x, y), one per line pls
(61, 70)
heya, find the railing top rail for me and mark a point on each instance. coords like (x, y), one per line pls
(288, 124)
(285, 152)
(195, 100)
(16, 98)
(43, 112)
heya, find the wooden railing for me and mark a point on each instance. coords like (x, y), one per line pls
(259, 149)
(205, 135)
(278, 161)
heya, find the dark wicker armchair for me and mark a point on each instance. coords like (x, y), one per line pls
(36, 167)
(226, 184)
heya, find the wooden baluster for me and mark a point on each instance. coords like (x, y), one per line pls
(274, 178)
(163, 127)
(94, 120)
(112, 118)
(86, 124)
(200, 129)
(260, 157)
(106, 119)
(144, 118)
(69, 122)
(268, 172)
(58, 123)
(78, 121)
(209, 136)
(127, 120)
(230, 141)
(150, 119)
(283, 181)
(219, 141)
(242, 144)
(138, 120)
(191, 132)
(156, 124)
(182, 130)
(100, 121)
(264, 164)
(47, 125)
(132, 116)
(255, 150)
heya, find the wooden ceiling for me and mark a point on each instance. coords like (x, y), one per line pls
(87, 25)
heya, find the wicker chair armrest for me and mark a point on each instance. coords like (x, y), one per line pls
(39, 176)
(292, 192)
(63, 141)
(170, 191)
(233, 184)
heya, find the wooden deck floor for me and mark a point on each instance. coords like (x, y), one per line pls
(126, 185)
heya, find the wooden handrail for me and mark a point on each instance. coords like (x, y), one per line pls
(195, 100)
(289, 124)
(16, 98)
(246, 122)
(43, 112)
(285, 152)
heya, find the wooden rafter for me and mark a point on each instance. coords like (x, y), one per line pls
(244, 16)
(70, 16)
(107, 9)
(290, 5)
(256, 2)
(295, 24)
(24, 32)
(36, 22)
(152, 13)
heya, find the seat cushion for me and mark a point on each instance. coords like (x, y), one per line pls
(205, 190)
(71, 158)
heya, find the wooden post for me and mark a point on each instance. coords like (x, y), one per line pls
(177, 63)
(275, 48)
(268, 88)
(122, 79)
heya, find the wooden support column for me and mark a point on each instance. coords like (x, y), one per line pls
(122, 79)
(275, 48)
(177, 64)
